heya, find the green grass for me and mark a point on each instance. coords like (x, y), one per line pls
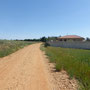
(9, 46)
(75, 61)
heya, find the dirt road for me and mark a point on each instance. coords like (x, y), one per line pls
(29, 69)
(24, 70)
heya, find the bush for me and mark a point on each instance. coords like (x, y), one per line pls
(46, 44)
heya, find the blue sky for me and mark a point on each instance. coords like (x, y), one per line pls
(36, 18)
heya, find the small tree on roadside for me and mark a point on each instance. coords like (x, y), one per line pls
(43, 39)
(87, 39)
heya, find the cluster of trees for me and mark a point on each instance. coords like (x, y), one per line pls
(31, 39)
(43, 39)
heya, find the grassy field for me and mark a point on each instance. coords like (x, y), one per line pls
(75, 61)
(9, 46)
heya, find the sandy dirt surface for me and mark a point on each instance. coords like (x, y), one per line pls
(27, 69)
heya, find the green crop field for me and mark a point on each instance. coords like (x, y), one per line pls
(75, 61)
(9, 46)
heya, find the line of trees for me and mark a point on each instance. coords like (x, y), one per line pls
(43, 39)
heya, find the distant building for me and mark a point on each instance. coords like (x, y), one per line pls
(71, 38)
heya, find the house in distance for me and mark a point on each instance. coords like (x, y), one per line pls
(71, 38)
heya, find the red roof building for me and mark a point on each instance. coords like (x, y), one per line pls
(71, 38)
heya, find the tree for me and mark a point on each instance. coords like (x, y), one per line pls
(87, 39)
(43, 39)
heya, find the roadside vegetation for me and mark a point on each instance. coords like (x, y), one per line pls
(75, 61)
(9, 46)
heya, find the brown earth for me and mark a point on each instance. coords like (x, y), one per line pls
(28, 69)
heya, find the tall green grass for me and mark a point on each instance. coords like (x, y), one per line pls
(75, 61)
(9, 46)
